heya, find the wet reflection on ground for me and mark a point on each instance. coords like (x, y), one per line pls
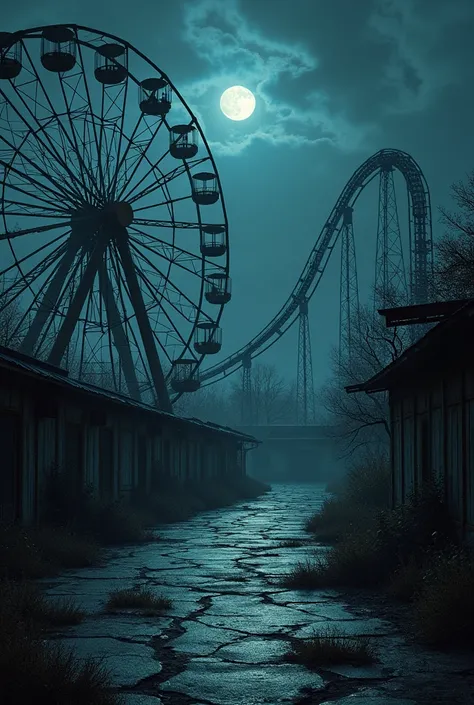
(222, 641)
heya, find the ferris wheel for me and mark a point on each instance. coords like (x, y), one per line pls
(114, 250)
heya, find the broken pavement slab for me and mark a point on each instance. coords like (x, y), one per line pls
(224, 639)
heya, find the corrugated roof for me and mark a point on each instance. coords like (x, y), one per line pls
(59, 376)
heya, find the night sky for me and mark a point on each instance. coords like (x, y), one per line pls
(335, 81)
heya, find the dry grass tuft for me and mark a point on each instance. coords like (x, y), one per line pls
(332, 647)
(138, 599)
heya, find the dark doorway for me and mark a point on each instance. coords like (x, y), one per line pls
(10, 476)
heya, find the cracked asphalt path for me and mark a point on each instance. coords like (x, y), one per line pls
(223, 640)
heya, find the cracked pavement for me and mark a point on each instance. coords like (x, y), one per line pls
(223, 640)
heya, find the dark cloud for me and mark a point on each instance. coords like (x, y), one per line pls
(328, 71)
(336, 80)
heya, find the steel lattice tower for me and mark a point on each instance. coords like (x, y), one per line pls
(246, 407)
(390, 277)
(305, 412)
(349, 290)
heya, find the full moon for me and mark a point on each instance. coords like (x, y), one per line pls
(237, 103)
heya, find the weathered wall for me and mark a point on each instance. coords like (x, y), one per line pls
(98, 444)
(433, 435)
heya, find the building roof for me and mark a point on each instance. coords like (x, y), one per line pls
(291, 431)
(442, 346)
(420, 313)
(29, 366)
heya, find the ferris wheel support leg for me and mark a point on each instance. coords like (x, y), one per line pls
(143, 320)
(118, 334)
(51, 295)
(75, 307)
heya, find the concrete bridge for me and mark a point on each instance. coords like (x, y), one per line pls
(293, 452)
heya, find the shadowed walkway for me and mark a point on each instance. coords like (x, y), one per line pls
(222, 641)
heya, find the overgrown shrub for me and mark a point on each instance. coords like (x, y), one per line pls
(444, 607)
(107, 523)
(20, 557)
(371, 555)
(34, 672)
(356, 502)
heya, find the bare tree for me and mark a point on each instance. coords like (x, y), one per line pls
(12, 323)
(454, 268)
(362, 419)
(272, 399)
(209, 403)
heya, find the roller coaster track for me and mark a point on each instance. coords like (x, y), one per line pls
(420, 243)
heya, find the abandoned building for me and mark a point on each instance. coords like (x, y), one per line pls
(101, 439)
(431, 398)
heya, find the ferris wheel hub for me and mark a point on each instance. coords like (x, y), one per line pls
(120, 211)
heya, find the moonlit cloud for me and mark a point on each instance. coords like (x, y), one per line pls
(418, 68)
(241, 54)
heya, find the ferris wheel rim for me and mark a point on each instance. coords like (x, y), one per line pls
(34, 33)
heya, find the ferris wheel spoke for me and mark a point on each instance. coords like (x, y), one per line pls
(46, 212)
(163, 180)
(174, 288)
(8, 185)
(23, 259)
(121, 160)
(25, 280)
(84, 171)
(114, 115)
(141, 157)
(158, 304)
(39, 127)
(28, 231)
(38, 184)
(170, 258)
(186, 254)
(89, 105)
(49, 105)
(179, 225)
(167, 202)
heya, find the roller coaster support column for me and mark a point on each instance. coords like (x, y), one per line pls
(391, 287)
(246, 409)
(304, 381)
(349, 293)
